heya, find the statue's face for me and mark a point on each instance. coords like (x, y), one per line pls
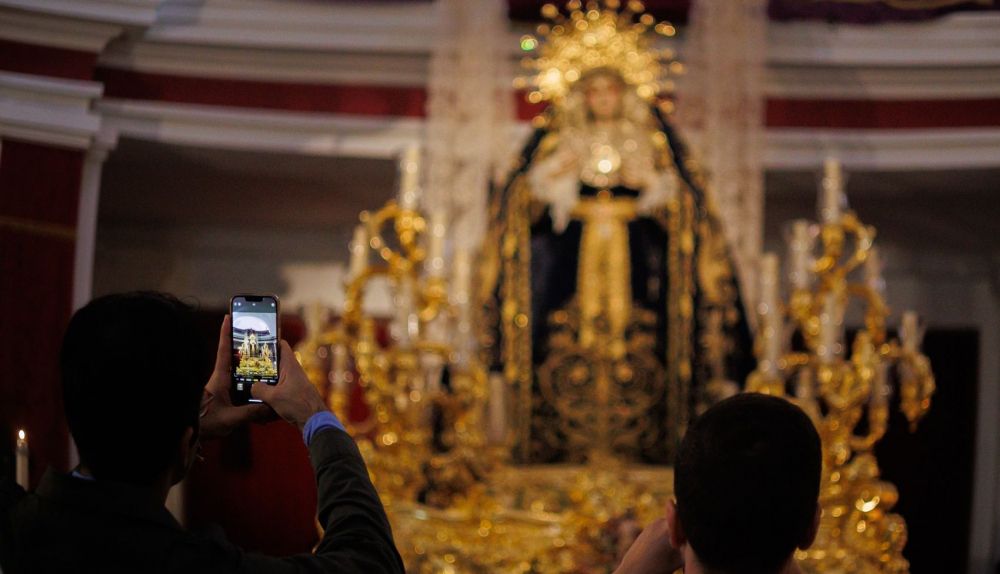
(603, 95)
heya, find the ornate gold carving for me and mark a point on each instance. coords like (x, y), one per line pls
(847, 395)
(601, 395)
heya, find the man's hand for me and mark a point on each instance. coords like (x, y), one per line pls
(294, 398)
(652, 552)
(218, 414)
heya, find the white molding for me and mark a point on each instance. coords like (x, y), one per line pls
(352, 27)
(875, 83)
(961, 39)
(901, 149)
(303, 133)
(389, 43)
(122, 12)
(46, 110)
(382, 137)
(55, 31)
(253, 63)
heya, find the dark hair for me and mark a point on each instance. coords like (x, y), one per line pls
(747, 482)
(133, 369)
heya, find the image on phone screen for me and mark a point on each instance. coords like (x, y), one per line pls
(255, 344)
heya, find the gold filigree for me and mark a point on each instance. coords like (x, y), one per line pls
(601, 396)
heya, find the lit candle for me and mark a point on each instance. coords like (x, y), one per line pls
(409, 178)
(496, 429)
(909, 332)
(800, 254)
(21, 467)
(873, 270)
(832, 191)
(770, 319)
(359, 252)
(435, 243)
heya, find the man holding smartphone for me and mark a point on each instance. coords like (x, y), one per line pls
(137, 415)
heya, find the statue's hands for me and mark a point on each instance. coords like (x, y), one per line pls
(218, 414)
(652, 552)
(658, 192)
(555, 181)
(637, 172)
(566, 164)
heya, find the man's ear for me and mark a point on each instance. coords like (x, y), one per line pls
(810, 535)
(677, 537)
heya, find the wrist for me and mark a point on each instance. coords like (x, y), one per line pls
(314, 406)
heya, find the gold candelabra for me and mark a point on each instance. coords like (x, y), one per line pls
(802, 352)
(401, 381)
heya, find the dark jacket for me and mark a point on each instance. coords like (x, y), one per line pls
(69, 524)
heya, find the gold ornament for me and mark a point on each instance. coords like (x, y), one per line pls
(599, 35)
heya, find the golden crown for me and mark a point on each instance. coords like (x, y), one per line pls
(602, 34)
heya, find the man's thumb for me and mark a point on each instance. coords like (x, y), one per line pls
(261, 391)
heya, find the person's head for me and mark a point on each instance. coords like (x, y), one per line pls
(133, 369)
(747, 485)
(603, 93)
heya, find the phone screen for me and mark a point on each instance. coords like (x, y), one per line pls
(255, 344)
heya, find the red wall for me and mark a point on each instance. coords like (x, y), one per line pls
(39, 190)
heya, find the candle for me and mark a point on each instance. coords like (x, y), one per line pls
(463, 340)
(832, 191)
(829, 327)
(435, 243)
(881, 389)
(496, 429)
(800, 254)
(359, 252)
(406, 323)
(803, 386)
(770, 319)
(339, 368)
(21, 467)
(873, 271)
(462, 277)
(409, 178)
(909, 332)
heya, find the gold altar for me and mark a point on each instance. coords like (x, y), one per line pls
(459, 482)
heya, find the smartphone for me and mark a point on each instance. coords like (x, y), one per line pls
(255, 344)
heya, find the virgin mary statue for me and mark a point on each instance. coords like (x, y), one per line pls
(616, 314)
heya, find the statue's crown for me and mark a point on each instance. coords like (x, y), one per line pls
(602, 34)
